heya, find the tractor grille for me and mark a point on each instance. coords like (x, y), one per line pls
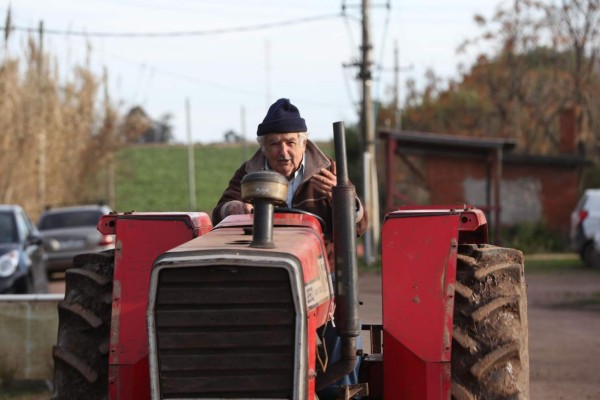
(225, 332)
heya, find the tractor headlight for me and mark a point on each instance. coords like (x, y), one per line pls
(8, 263)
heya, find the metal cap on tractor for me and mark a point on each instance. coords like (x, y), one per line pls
(264, 190)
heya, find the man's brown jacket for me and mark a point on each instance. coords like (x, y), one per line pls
(307, 197)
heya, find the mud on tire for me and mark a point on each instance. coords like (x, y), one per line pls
(81, 353)
(490, 358)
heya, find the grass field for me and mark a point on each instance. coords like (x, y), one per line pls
(155, 178)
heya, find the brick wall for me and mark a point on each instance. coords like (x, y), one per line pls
(446, 176)
(559, 191)
(529, 192)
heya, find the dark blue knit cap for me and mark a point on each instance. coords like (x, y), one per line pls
(282, 117)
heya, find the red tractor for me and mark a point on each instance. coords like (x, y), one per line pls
(184, 310)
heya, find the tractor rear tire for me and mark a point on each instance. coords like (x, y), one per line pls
(81, 353)
(490, 358)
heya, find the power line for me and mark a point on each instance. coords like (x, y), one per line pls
(206, 32)
(187, 78)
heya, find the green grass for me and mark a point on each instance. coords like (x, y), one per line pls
(155, 178)
(554, 263)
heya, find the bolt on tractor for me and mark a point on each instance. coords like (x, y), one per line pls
(184, 310)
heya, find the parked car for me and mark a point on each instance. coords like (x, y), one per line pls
(22, 257)
(585, 224)
(68, 231)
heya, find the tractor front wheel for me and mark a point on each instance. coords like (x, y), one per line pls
(490, 358)
(81, 353)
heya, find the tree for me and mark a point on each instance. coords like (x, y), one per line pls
(138, 127)
(575, 28)
(232, 137)
(519, 89)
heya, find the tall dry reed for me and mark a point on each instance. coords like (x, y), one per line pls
(57, 136)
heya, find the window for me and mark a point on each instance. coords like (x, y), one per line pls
(8, 229)
(70, 219)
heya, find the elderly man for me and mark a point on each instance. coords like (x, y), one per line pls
(285, 148)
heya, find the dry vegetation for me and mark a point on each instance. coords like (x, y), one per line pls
(56, 136)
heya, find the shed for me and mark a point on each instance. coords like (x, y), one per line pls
(433, 168)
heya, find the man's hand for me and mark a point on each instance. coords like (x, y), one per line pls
(236, 207)
(326, 180)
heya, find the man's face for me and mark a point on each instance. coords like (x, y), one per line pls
(284, 152)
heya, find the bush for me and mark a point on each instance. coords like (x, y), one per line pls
(533, 238)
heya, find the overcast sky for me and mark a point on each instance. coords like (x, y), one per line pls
(297, 54)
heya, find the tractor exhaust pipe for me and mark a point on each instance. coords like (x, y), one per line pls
(344, 243)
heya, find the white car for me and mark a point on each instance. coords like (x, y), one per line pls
(585, 226)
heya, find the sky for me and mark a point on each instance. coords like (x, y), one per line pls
(248, 53)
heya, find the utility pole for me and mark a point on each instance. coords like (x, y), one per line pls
(397, 107)
(41, 121)
(370, 191)
(243, 132)
(397, 97)
(267, 73)
(370, 185)
(191, 165)
(110, 161)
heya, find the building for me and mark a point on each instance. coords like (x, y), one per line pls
(430, 168)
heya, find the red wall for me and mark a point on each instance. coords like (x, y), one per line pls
(446, 175)
(559, 190)
(558, 196)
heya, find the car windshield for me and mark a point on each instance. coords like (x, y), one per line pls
(8, 231)
(69, 219)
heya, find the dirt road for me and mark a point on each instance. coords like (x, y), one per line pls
(564, 330)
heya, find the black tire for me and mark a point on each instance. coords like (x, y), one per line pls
(24, 285)
(490, 358)
(81, 353)
(590, 256)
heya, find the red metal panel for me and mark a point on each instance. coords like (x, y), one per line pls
(408, 377)
(473, 224)
(140, 238)
(418, 277)
(279, 219)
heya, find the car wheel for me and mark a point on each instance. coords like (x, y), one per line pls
(24, 285)
(590, 256)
